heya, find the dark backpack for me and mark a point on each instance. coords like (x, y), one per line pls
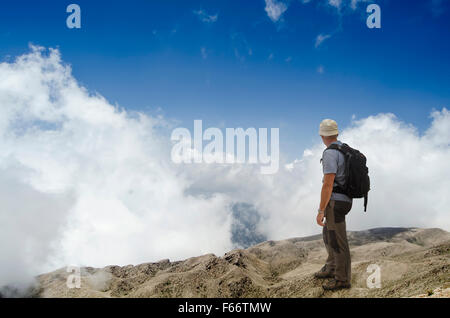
(357, 181)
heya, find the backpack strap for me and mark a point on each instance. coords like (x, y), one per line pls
(343, 148)
(338, 188)
(334, 146)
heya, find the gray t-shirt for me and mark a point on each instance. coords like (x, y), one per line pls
(333, 161)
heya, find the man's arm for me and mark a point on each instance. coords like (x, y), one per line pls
(325, 195)
(327, 189)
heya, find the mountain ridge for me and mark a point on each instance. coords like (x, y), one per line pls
(412, 261)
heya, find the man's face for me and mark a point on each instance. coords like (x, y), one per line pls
(323, 140)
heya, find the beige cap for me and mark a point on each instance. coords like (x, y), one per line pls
(328, 127)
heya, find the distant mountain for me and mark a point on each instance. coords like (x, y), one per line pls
(412, 262)
(244, 226)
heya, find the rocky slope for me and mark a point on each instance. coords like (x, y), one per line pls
(412, 262)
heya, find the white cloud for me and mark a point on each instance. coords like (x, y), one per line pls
(88, 181)
(321, 38)
(205, 17)
(335, 3)
(354, 3)
(83, 182)
(320, 69)
(339, 4)
(275, 9)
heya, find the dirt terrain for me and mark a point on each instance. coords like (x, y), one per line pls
(412, 262)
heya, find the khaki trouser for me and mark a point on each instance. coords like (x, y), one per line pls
(335, 239)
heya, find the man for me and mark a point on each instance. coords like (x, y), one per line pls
(333, 208)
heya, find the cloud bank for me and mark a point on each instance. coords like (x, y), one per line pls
(85, 182)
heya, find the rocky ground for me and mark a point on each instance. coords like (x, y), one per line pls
(413, 262)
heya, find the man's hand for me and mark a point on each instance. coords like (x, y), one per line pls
(320, 218)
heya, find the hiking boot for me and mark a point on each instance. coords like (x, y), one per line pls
(324, 273)
(336, 285)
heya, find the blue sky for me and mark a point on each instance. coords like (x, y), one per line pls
(230, 64)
